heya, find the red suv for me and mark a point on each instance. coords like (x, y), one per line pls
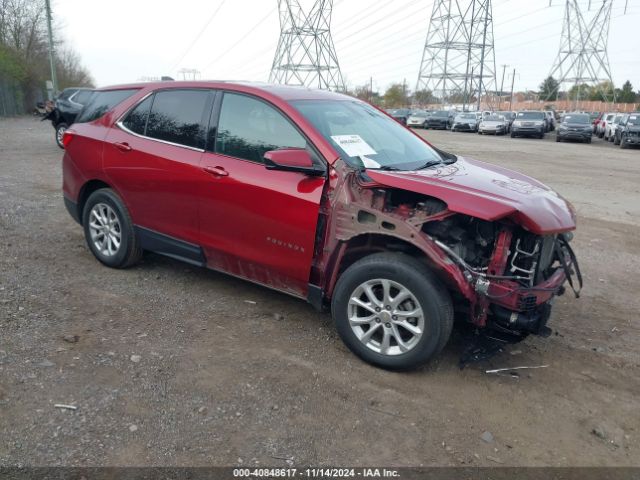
(326, 198)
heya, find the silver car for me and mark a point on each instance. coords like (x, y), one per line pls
(494, 124)
(465, 122)
(417, 119)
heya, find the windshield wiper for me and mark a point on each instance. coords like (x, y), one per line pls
(388, 168)
(430, 163)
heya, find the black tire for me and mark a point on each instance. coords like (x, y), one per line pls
(558, 139)
(430, 293)
(129, 251)
(513, 135)
(59, 131)
(623, 145)
(616, 141)
(541, 136)
(588, 140)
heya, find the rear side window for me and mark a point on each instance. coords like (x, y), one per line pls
(177, 116)
(101, 102)
(136, 121)
(248, 128)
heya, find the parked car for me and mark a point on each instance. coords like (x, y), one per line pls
(509, 118)
(494, 124)
(66, 107)
(321, 196)
(529, 124)
(440, 119)
(551, 120)
(595, 120)
(610, 129)
(602, 126)
(417, 119)
(575, 126)
(400, 114)
(628, 131)
(465, 122)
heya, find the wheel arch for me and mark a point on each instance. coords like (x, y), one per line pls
(360, 246)
(86, 190)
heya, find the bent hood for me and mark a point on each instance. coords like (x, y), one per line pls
(488, 192)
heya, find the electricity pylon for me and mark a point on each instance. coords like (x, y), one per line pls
(458, 59)
(583, 57)
(306, 54)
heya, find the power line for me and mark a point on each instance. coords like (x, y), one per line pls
(197, 37)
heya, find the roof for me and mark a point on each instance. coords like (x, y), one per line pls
(285, 92)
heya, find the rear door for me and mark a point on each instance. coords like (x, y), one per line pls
(152, 157)
(256, 223)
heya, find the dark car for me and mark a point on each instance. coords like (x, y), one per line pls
(321, 196)
(529, 124)
(575, 126)
(465, 122)
(400, 114)
(628, 131)
(509, 117)
(442, 119)
(67, 106)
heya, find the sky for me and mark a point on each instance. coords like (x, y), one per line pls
(123, 41)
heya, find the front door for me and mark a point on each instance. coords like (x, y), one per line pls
(256, 223)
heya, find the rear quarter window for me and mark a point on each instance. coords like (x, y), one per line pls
(101, 102)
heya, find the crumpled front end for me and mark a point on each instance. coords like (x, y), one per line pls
(515, 274)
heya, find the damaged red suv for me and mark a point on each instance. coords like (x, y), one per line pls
(323, 197)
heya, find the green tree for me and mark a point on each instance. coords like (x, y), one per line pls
(396, 96)
(626, 94)
(424, 97)
(549, 89)
(603, 91)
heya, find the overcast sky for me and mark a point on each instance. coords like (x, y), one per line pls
(122, 41)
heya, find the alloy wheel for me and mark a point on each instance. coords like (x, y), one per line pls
(386, 316)
(105, 229)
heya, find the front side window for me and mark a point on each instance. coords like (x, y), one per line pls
(176, 116)
(248, 128)
(136, 120)
(365, 137)
(101, 102)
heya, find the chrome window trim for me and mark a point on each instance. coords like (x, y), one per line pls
(119, 123)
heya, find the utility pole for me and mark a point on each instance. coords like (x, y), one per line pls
(370, 89)
(504, 69)
(513, 80)
(52, 62)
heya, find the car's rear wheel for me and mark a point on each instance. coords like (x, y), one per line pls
(616, 141)
(391, 311)
(60, 129)
(109, 231)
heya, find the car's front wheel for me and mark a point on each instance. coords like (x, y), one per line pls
(109, 231)
(391, 311)
(60, 129)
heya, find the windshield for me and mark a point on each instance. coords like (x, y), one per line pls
(577, 118)
(471, 116)
(441, 113)
(364, 137)
(420, 114)
(530, 116)
(494, 118)
(401, 111)
(634, 120)
(504, 114)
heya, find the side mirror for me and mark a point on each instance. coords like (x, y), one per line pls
(292, 160)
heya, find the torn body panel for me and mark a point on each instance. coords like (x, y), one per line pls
(504, 273)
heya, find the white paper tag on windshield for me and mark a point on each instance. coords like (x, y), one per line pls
(353, 145)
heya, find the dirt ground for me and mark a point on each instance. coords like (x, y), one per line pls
(173, 366)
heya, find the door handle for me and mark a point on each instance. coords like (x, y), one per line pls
(216, 171)
(123, 146)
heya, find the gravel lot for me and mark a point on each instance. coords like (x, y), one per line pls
(173, 365)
